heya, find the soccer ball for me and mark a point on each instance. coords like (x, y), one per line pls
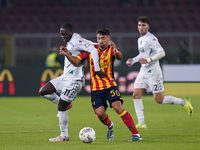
(87, 135)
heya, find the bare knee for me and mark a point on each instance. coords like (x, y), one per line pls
(47, 89)
(100, 113)
(117, 106)
(62, 105)
(159, 98)
(138, 93)
(41, 91)
(136, 96)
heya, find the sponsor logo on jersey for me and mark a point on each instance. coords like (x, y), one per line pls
(71, 72)
(103, 65)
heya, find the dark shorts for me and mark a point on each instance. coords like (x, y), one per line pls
(100, 98)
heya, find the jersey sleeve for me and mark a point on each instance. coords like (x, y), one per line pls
(88, 46)
(156, 45)
(84, 55)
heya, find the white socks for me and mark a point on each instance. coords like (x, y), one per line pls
(139, 108)
(173, 100)
(63, 123)
(54, 98)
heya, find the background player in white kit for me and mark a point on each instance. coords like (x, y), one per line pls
(71, 82)
(150, 75)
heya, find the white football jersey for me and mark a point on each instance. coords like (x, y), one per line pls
(75, 46)
(148, 46)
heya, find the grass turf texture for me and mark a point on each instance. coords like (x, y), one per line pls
(26, 123)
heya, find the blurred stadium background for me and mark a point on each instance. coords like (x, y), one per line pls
(28, 29)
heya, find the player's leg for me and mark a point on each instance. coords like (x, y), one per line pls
(158, 93)
(63, 118)
(139, 108)
(70, 91)
(99, 105)
(116, 101)
(161, 99)
(127, 119)
(139, 87)
(49, 90)
(104, 118)
(63, 122)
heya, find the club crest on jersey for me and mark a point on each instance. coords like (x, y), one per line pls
(104, 54)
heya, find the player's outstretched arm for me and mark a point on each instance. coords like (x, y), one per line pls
(95, 57)
(133, 60)
(98, 71)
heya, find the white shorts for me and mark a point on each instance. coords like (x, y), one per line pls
(67, 89)
(71, 89)
(58, 84)
(152, 84)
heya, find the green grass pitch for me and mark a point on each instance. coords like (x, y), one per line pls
(26, 123)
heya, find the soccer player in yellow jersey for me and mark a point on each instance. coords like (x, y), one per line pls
(105, 89)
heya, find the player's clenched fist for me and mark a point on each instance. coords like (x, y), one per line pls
(63, 50)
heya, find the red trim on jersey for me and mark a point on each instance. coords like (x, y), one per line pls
(83, 55)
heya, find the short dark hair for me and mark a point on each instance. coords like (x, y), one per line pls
(67, 26)
(103, 31)
(143, 19)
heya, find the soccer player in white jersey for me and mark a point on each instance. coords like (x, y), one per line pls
(71, 82)
(150, 75)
